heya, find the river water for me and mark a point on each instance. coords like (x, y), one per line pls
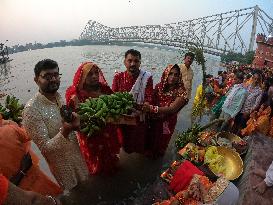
(136, 172)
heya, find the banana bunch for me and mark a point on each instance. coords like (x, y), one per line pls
(12, 110)
(95, 112)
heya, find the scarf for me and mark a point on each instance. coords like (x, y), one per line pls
(138, 89)
(79, 80)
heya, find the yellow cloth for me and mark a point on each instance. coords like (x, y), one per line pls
(187, 76)
(198, 95)
(199, 103)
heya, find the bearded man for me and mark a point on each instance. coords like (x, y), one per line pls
(140, 84)
(55, 138)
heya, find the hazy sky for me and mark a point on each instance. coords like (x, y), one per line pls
(23, 21)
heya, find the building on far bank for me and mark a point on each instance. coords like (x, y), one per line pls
(264, 52)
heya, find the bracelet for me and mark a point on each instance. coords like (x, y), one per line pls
(154, 109)
(52, 199)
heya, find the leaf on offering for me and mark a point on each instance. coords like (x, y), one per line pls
(215, 161)
(193, 153)
(190, 135)
(224, 161)
(207, 138)
(12, 109)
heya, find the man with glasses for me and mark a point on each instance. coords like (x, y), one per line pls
(44, 124)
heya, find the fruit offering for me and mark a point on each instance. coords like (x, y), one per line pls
(95, 112)
(193, 152)
(207, 138)
(190, 135)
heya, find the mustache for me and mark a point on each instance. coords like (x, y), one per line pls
(133, 68)
(53, 85)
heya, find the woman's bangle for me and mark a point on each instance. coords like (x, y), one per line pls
(154, 109)
(52, 199)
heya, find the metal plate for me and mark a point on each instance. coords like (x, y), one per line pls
(232, 162)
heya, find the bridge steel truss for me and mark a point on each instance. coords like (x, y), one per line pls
(233, 31)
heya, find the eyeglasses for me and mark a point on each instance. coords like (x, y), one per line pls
(50, 76)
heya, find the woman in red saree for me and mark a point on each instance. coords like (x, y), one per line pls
(101, 149)
(169, 98)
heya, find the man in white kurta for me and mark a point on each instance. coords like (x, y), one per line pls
(43, 123)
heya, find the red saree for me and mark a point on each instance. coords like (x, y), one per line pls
(101, 150)
(133, 137)
(4, 185)
(162, 128)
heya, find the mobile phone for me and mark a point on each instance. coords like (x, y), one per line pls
(66, 113)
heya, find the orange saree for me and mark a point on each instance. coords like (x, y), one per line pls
(14, 144)
(259, 121)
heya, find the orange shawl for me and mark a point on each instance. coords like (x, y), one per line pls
(14, 144)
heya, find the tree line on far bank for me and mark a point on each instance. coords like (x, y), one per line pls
(246, 58)
(61, 43)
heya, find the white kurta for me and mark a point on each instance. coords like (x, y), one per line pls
(42, 121)
(187, 76)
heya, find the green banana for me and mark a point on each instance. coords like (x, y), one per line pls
(100, 113)
(95, 112)
(95, 128)
(100, 103)
(90, 133)
(85, 129)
